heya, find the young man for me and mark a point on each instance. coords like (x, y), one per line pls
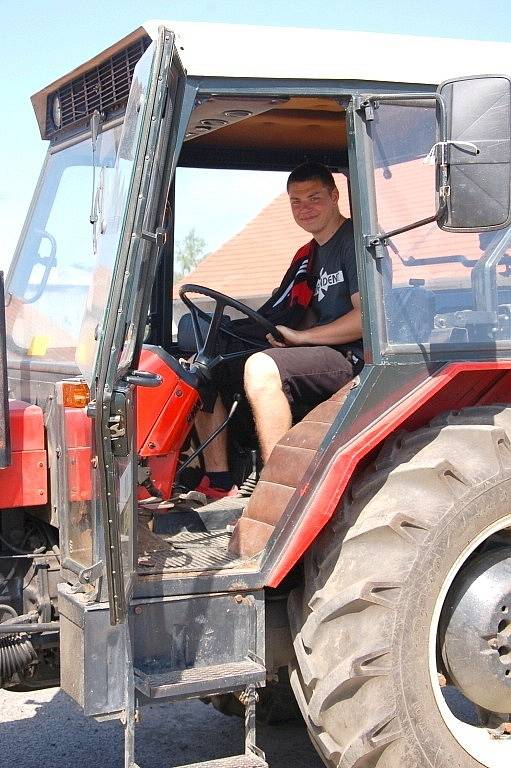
(292, 376)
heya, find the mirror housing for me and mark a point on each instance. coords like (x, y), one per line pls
(478, 112)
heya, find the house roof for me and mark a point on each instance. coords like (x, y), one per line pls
(408, 196)
(251, 264)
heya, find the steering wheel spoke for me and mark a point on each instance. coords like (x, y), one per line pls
(208, 347)
(210, 343)
(197, 332)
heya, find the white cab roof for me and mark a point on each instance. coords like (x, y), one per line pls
(281, 52)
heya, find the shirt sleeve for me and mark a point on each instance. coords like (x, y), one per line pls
(350, 261)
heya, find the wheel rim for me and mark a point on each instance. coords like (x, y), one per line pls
(476, 740)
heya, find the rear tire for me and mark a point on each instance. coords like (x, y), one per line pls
(365, 622)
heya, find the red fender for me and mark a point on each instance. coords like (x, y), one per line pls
(455, 386)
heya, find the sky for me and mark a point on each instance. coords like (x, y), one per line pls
(40, 41)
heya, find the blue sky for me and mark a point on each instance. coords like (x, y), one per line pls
(41, 41)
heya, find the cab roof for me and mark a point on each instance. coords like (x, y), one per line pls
(232, 50)
(241, 51)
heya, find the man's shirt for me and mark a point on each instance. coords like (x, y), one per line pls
(335, 281)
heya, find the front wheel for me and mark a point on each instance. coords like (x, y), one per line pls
(402, 631)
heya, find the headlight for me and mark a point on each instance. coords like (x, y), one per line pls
(56, 112)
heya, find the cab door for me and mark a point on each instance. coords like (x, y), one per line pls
(131, 235)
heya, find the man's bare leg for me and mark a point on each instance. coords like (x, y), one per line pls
(215, 454)
(272, 414)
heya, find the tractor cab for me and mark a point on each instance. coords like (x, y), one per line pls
(163, 596)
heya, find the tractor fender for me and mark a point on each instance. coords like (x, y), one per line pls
(317, 496)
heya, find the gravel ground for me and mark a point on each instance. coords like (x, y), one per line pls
(46, 729)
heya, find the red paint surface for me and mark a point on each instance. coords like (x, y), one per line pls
(78, 428)
(24, 482)
(26, 425)
(455, 386)
(165, 416)
(78, 451)
(165, 413)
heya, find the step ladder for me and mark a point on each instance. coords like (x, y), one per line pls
(244, 676)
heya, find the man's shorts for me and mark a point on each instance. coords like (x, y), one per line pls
(309, 375)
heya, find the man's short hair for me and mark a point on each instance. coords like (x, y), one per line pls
(311, 171)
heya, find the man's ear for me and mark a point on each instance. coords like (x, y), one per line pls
(335, 195)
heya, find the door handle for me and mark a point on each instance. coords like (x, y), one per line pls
(143, 379)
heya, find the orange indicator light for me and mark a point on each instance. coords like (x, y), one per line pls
(75, 395)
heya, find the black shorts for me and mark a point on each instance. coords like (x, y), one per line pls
(309, 375)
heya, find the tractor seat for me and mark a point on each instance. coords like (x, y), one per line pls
(410, 312)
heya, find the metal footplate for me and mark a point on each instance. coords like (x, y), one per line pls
(253, 757)
(238, 761)
(200, 681)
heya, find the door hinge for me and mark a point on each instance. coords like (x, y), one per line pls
(117, 422)
(117, 427)
(158, 238)
(367, 106)
(90, 574)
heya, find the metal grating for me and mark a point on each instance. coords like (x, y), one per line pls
(185, 552)
(105, 88)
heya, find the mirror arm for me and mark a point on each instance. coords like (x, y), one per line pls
(373, 241)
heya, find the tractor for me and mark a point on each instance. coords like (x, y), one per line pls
(364, 572)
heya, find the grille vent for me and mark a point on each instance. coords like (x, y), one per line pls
(104, 88)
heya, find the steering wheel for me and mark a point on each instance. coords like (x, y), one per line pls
(207, 346)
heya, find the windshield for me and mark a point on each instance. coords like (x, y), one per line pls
(52, 267)
(115, 199)
(441, 288)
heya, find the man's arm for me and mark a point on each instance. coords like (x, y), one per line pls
(341, 331)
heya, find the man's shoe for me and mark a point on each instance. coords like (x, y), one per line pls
(210, 492)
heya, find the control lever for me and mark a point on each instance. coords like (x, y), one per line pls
(222, 426)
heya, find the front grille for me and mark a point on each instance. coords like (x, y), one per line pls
(104, 87)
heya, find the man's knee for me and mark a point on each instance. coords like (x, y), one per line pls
(261, 375)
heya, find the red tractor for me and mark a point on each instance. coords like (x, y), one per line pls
(370, 559)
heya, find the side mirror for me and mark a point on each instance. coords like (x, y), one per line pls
(477, 153)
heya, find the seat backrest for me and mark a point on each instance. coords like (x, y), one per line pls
(410, 312)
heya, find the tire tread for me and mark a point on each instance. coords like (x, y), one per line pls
(343, 620)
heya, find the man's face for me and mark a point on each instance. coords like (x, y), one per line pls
(314, 206)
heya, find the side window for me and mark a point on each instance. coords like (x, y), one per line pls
(438, 278)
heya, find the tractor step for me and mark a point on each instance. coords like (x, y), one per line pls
(201, 681)
(238, 761)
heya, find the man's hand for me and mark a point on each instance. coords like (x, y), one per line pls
(291, 338)
(346, 328)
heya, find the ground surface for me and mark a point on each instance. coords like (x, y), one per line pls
(46, 729)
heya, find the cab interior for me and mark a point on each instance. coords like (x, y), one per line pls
(275, 133)
(428, 301)
(183, 535)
